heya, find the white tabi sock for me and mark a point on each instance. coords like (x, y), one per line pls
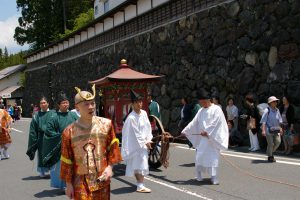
(5, 154)
(140, 185)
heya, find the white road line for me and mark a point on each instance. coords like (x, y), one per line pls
(251, 157)
(25, 120)
(178, 189)
(260, 155)
(16, 130)
(258, 158)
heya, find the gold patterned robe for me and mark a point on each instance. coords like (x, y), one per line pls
(85, 153)
(5, 120)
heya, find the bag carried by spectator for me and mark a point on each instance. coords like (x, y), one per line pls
(274, 130)
(251, 123)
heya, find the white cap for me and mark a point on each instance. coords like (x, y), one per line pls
(272, 98)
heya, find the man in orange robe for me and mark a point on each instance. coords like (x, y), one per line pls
(89, 151)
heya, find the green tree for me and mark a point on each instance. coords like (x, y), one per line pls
(43, 20)
(80, 21)
(5, 56)
(12, 59)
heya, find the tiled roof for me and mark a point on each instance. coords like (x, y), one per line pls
(10, 70)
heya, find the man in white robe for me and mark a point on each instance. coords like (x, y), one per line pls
(136, 141)
(208, 132)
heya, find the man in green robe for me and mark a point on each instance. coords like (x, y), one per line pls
(52, 139)
(153, 107)
(37, 129)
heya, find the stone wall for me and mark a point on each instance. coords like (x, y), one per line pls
(232, 49)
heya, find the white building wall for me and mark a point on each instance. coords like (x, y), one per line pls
(42, 54)
(60, 47)
(98, 8)
(115, 3)
(46, 52)
(55, 49)
(158, 2)
(51, 51)
(99, 28)
(143, 6)
(71, 42)
(130, 12)
(118, 18)
(91, 32)
(66, 44)
(77, 39)
(99, 11)
(108, 23)
(83, 36)
(8, 81)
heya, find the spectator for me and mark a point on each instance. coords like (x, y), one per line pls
(10, 111)
(288, 118)
(1, 103)
(31, 110)
(35, 109)
(232, 112)
(235, 137)
(186, 114)
(17, 111)
(271, 129)
(216, 100)
(252, 117)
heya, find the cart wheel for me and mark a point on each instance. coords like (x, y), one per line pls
(155, 152)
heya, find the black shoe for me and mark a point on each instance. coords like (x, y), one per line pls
(271, 159)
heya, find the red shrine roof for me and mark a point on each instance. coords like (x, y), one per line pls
(125, 74)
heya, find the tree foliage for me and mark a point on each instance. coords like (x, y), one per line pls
(42, 21)
(7, 60)
(80, 21)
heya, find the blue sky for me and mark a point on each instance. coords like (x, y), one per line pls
(8, 22)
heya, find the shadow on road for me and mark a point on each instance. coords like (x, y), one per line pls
(50, 193)
(119, 171)
(259, 161)
(188, 165)
(33, 178)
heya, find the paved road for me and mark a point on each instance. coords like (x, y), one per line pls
(242, 176)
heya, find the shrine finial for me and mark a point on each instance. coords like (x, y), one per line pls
(123, 61)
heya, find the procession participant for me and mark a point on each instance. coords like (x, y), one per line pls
(89, 151)
(136, 141)
(5, 139)
(76, 111)
(208, 132)
(37, 130)
(52, 139)
(153, 107)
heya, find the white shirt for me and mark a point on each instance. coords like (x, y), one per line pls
(212, 121)
(136, 133)
(232, 112)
